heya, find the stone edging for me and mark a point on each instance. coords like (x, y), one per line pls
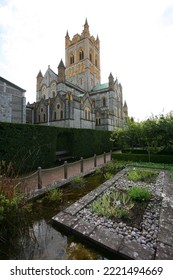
(105, 235)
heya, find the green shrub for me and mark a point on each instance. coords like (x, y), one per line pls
(139, 194)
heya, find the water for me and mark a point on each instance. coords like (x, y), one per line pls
(37, 239)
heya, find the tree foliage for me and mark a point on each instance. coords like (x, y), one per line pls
(154, 134)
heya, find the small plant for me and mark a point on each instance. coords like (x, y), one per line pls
(78, 181)
(122, 213)
(139, 194)
(116, 204)
(99, 171)
(108, 175)
(7, 205)
(55, 195)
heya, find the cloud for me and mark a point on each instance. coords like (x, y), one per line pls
(136, 44)
(168, 16)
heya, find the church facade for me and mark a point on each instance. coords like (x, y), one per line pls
(74, 96)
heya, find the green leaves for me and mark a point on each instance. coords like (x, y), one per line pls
(139, 194)
(116, 204)
(143, 175)
(154, 134)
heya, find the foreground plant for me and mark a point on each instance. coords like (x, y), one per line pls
(108, 175)
(116, 204)
(54, 195)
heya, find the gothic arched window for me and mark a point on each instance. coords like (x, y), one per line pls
(71, 59)
(81, 55)
(104, 101)
(96, 62)
(87, 112)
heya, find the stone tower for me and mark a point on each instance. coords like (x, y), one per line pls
(82, 59)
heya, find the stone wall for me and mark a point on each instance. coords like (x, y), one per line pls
(12, 103)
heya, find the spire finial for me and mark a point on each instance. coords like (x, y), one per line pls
(86, 22)
(86, 29)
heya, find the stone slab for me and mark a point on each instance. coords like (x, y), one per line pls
(107, 238)
(164, 252)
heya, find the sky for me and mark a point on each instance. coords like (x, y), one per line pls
(136, 45)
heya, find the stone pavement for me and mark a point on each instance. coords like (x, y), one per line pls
(106, 237)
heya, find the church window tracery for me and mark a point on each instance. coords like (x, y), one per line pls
(72, 59)
(43, 92)
(87, 113)
(81, 55)
(98, 119)
(103, 101)
(55, 116)
(96, 62)
(61, 115)
(94, 103)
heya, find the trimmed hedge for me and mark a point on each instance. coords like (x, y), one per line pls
(83, 142)
(167, 159)
(28, 146)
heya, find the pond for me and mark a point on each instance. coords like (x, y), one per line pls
(37, 239)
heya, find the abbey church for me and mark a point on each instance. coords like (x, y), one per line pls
(74, 96)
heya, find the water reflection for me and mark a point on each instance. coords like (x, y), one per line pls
(40, 241)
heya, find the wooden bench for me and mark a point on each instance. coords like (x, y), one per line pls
(63, 155)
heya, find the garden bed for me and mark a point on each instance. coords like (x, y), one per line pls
(133, 235)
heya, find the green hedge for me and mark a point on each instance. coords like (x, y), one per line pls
(86, 142)
(83, 142)
(29, 146)
(167, 159)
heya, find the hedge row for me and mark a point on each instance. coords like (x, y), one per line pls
(83, 142)
(155, 158)
(29, 146)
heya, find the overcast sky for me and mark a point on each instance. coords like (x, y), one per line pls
(136, 42)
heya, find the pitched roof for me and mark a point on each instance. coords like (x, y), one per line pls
(11, 84)
(100, 87)
(61, 64)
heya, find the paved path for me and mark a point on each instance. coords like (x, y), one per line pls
(53, 175)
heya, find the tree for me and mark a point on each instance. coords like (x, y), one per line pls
(154, 134)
